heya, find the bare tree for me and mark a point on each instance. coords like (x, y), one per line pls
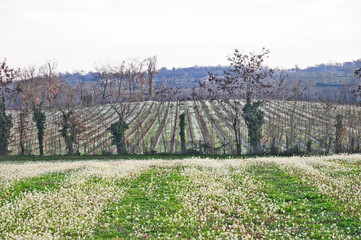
(120, 78)
(36, 89)
(28, 93)
(136, 79)
(122, 85)
(7, 75)
(104, 77)
(141, 80)
(50, 81)
(70, 122)
(151, 72)
(245, 79)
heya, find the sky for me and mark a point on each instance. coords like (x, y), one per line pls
(81, 33)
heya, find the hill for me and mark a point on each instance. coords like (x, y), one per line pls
(321, 82)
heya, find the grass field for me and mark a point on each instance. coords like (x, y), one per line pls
(263, 198)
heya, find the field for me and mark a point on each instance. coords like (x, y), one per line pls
(277, 198)
(154, 126)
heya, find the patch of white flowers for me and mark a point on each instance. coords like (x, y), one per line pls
(71, 211)
(330, 177)
(219, 199)
(11, 173)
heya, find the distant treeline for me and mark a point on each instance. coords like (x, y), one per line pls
(332, 72)
(321, 82)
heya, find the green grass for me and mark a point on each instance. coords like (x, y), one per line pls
(311, 211)
(46, 182)
(150, 202)
(165, 156)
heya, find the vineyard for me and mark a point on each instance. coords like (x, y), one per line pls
(154, 127)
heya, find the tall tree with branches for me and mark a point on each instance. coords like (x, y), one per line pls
(37, 90)
(70, 122)
(7, 76)
(245, 79)
(123, 85)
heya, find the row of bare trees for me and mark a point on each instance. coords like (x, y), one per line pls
(33, 89)
(126, 81)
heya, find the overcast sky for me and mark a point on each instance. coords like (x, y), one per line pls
(80, 33)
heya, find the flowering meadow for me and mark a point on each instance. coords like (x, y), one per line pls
(256, 198)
